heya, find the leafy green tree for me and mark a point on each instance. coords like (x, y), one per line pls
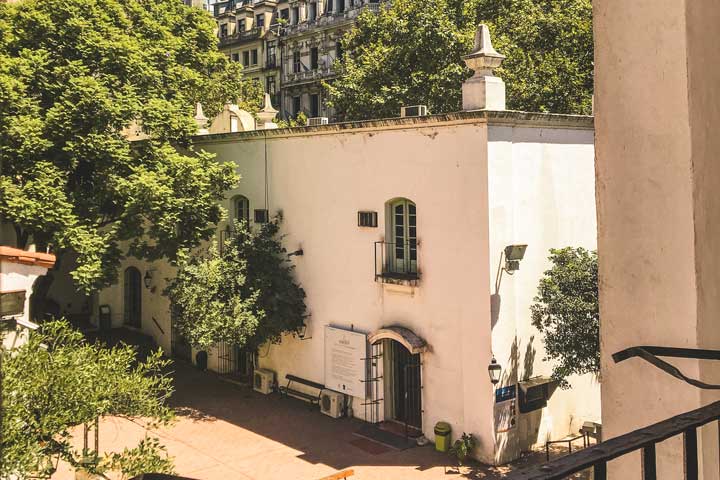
(408, 53)
(566, 311)
(411, 53)
(244, 295)
(549, 50)
(56, 381)
(73, 75)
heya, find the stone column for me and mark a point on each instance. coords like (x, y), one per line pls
(657, 116)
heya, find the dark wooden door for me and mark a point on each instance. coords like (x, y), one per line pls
(407, 396)
(132, 305)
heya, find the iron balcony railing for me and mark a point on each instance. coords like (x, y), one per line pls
(397, 261)
(644, 439)
(244, 35)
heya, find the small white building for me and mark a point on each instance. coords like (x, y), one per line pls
(403, 224)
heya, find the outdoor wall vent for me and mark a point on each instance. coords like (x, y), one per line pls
(261, 216)
(367, 219)
(414, 111)
(317, 121)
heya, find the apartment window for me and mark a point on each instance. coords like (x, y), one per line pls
(260, 21)
(403, 232)
(340, 5)
(254, 57)
(223, 30)
(241, 208)
(296, 105)
(338, 50)
(296, 62)
(270, 85)
(246, 59)
(296, 15)
(235, 57)
(271, 54)
(241, 25)
(312, 12)
(315, 105)
(314, 58)
(329, 7)
(285, 14)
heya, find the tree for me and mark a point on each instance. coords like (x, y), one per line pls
(244, 295)
(549, 50)
(73, 75)
(408, 53)
(57, 381)
(566, 312)
(411, 52)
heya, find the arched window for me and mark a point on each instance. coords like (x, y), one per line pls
(132, 295)
(402, 235)
(241, 208)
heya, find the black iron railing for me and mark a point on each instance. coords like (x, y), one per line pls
(397, 261)
(644, 439)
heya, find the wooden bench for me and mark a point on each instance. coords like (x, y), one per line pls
(288, 390)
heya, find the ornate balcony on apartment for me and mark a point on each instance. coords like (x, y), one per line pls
(308, 76)
(328, 19)
(238, 37)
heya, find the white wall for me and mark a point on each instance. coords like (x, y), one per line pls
(14, 277)
(320, 179)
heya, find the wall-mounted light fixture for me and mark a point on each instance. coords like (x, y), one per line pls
(147, 280)
(302, 331)
(513, 255)
(296, 253)
(494, 370)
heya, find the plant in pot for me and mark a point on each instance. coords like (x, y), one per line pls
(462, 448)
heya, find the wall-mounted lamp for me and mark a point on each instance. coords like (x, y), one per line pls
(147, 280)
(296, 253)
(494, 370)
(302, 331)
(513, 255)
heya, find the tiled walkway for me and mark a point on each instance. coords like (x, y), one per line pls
(224, 431)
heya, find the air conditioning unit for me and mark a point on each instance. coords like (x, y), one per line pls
(263, 381)
(332, 403)
(414, 111)
(316, 121)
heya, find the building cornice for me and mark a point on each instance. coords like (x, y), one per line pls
(492, 118)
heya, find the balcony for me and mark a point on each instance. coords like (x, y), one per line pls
(645, 439)
(397, 263)
(308, 76)
(328, 18)
(238, 37)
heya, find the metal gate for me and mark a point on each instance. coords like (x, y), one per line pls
(180, 347)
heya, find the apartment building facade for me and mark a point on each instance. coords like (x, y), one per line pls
(289, 46)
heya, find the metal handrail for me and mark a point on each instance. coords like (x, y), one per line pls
(385, 260)
(644, 439)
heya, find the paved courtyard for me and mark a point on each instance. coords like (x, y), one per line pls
(225, 431)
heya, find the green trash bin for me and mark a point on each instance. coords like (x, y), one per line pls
(442, 436)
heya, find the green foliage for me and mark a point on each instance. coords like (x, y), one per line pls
(549, 50)
(407, 53)
(300, 120)
(411, 52)
(73, 75)
(57, 381)
(567, 313)
(462, 448)
(245, 295)
(148, 457)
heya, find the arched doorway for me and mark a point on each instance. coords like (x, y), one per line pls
(132, 297)
(399, 350)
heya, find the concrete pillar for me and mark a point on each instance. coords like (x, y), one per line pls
(483, 91)
(657, 116)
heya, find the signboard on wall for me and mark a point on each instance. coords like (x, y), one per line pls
(345, 353)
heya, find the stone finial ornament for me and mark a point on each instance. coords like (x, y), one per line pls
(266, 116)
(201, 120)
(483, 91)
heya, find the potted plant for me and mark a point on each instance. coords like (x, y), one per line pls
(462, 448)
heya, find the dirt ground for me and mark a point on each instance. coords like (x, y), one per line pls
(226, 431)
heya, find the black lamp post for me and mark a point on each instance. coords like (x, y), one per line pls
(148, 279)
(494, 370)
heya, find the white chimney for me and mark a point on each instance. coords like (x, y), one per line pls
(266, 116)
(483, 91)
(201, 120)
